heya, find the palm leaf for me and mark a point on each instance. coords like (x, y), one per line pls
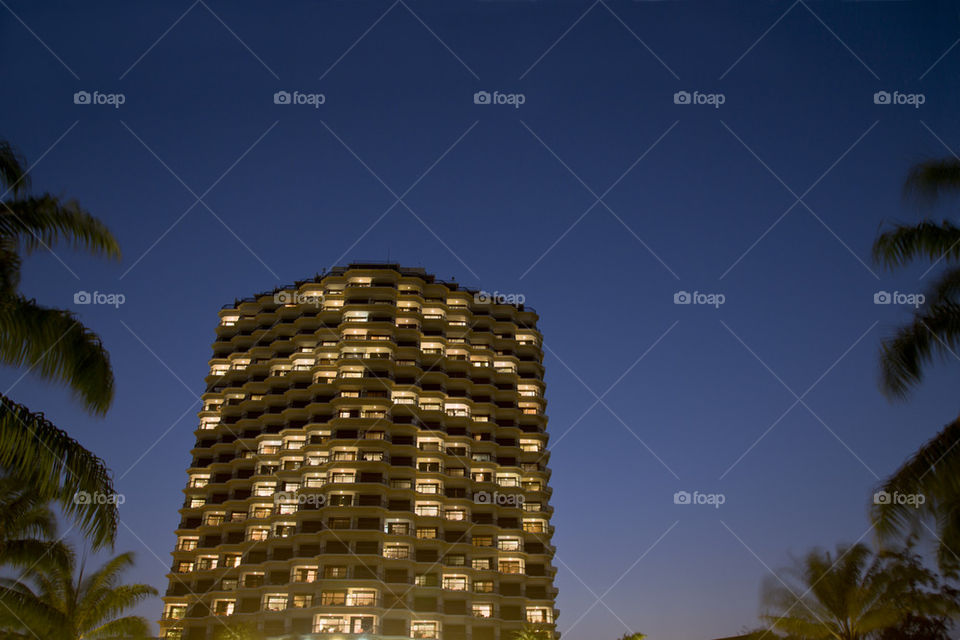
(13, 177)
(128, 628)
(41, 221)
(57, 467)
(934, 473)
(929, 181)
(905, 243)
(933, 334)
(58, 346)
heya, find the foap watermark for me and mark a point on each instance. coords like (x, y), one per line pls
(485, 297)
(512, 99)
(296, 97)
(698, 297)
(908, 99)
(712, 99)
(295, 298)
(499, 499)
(914, 500)
(914, 300)
(111, 99)
(712, 499)
(86, 497)
(98, 297)
(292, 497)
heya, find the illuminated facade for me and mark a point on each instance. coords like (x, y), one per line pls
(371, 462)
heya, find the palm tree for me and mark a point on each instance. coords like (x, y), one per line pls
(27, 526)
(633, 636)
(54, 344)
(933, 472)
(57, 602)
(228, 631)
(852, 595)
(532, 632)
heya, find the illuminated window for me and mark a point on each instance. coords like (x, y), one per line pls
(187, 544)
(302, 601)
(396, 551)
(424, 629)
(432, 488)
(330, 624)
(511, 566)
(275, 602)
(509, 544)
(365, 598)
(175, 611)
(455, 583)
(258, 534)
(539, 615)
(427, 510)
(223, 607)
(482, 610)
(333, 598)
(304, 574)
(231, 560)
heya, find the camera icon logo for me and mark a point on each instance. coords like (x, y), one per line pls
(681, 97)
(481, 97)
(882, 297)
(682, 297)
(283, 297)
(81, 97)
(482, 297)
(81, 497)
(881, 97)
(281, 97)
(482, 497)
(881, 497)
(82, 297)
(681, 497)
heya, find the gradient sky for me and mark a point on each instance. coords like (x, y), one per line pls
(215, 193)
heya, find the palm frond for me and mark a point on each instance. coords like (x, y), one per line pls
(107, 576)
(109, 603)
(39, 222)
(57, 467)
(20, 609)
(931, 180)
(905, 243)
(13, 175)
(933, 334)
(10, 264)
(128, 628)
(933, 472)
(57, 346)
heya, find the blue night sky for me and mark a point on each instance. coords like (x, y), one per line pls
(771, 199)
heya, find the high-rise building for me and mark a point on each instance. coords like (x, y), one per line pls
(371, 462)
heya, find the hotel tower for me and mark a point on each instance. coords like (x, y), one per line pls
(370, 464)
